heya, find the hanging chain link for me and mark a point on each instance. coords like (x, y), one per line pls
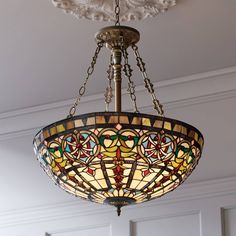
(90, 71)
(128, 73)
(148, 84)
(108, 93)
(117, 12)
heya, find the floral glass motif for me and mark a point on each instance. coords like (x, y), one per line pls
(118, 158)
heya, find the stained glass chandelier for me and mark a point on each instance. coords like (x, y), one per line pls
(114, 157)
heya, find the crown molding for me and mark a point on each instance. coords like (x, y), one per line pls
(78, 208)
(173, 93)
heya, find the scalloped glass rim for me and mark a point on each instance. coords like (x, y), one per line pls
(91, 114)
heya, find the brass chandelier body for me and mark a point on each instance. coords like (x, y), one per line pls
(118, 158)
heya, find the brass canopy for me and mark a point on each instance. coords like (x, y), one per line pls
(112, 36)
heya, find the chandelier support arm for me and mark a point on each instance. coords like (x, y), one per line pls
(117, 58)
(109, 91)
(90, 71)
(128, 73)
(148, 84)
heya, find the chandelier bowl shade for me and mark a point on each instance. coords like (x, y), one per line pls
(118, 158)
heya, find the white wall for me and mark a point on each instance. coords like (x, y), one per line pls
(206, 209)
(30, 205)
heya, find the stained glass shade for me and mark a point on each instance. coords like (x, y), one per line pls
(118, 158)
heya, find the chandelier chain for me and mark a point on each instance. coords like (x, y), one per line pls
(148, 84)
(109, 92)
(90, 71)
(117, 12)
(128, 73)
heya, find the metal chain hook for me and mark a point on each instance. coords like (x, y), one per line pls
(117, 12)
(109, 92)
(90, 71)
(128, 73)
(148, 84)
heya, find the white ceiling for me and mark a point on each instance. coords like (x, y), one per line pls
(44, 53)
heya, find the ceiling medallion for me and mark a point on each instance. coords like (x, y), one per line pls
(115, 157)
(102, 10)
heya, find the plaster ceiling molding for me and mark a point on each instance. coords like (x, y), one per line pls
(103, 10)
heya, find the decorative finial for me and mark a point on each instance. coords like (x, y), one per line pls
(118, 210)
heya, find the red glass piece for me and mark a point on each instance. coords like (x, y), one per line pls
(118, 170)
(79, 146)
(118, 186)
(118, 154)
(76, 154)
(158, 146)
(157, 185)
(146, 172)
(163, 140)
(165, 178)
(130, 137)
(90, 171)
(118, 179)
(149, 190)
